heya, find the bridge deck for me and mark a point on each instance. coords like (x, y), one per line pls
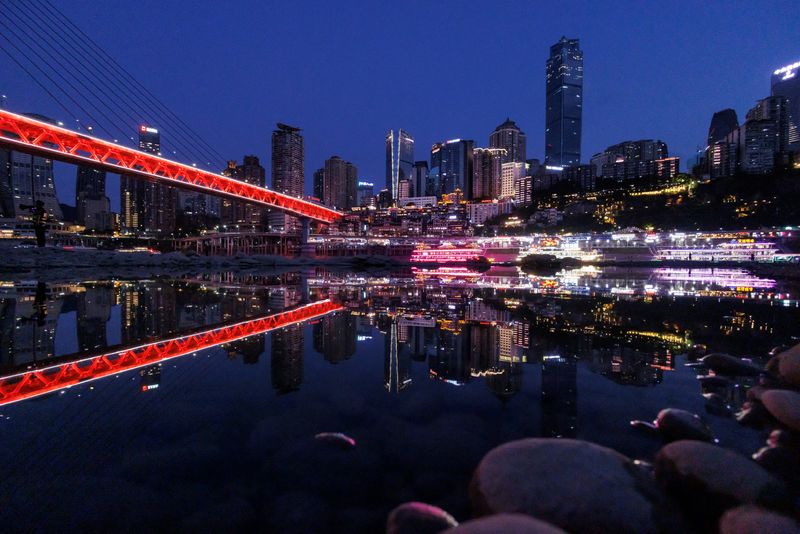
(25, 134)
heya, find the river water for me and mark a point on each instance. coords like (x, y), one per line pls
(192, 402)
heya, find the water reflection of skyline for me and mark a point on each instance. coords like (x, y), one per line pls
(456, 335)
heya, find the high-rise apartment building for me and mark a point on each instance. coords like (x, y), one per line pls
(630, 160)
(785, 82)
(511, 173)
(147, 207)
(319, 183)
(339, 183)
(92, 205)
(487, 172)
(399, 159)
(26, 179)
(722, 123)
(451, 167)
(288, 172)
(509, 137)
(365, 194)
(564, 104)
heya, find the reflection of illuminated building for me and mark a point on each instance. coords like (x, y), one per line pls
(287, 358)
(147, 311)
(483, 353)
(94, 311)
(628, 366)
(335, 337)
(451, 362)
(249, 348)
(396, 362)
(507, 382)
(35, 329)
(151, 378)
(559, 396)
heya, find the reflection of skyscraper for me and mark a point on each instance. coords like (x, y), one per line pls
(148, 311)
(559, 396)
(451, 362)
(564, 104)
(94, 311)
(249, 348)
(335, 337)
(507, 381)
(287, 359)
(396, 361)
(399, 159)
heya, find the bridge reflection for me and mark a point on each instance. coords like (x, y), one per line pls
(79, 368)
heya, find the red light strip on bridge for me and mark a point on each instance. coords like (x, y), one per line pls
(29, 384)
(18, 132)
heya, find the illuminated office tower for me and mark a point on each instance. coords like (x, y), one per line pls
(288, 172)
(785, 82)
(399, 159)
(451, 167)
(419, 177)
(147, 207)
(509, 137)
(563, 104)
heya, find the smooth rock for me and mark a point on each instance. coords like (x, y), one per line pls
(674, 424)
(418, 518)
(506, 524)
(789, 366)
(576, 485)
(782, 462)
(725, 364)
(756, 520)
(708, 479)
(783, 405)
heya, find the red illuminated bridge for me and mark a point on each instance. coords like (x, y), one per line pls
(36, 382)
(25, 134)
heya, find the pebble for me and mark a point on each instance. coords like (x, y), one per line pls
(725, 364)
(674, 424)
(755, 520)
(783, 405)
(789, 366)
(707, 479)
(505, 523)
(418, 518)
(576, 485)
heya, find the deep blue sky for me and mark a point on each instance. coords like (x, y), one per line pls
(347, 71)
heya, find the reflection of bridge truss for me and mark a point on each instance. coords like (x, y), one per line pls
(36, 382)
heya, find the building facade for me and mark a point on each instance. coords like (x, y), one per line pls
(451, 167)
(487, 166)
(785, 82)
(93, 209)
(564, 104)
(339, 183)
(288, 172)
(399, 159)
(510, 138)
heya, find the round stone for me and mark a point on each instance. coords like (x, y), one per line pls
(725, 364)
(783, 405)
(708, 479)
(576, 485)
(505, 523)
(674, 424)
(789, 365)
(755, 520)
(418, 518)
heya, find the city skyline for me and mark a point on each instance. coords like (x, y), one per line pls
(670, 104)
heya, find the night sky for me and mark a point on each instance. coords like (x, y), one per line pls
(346, 72)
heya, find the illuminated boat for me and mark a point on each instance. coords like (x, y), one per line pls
(738, 250)
(446, 254)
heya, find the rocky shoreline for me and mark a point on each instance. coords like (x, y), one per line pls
(692, 484)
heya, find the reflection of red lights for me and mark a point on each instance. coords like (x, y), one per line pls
(32, 136)
(37, 382)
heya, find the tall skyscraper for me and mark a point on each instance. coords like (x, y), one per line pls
(365, 194)
(339, 183)
(785, 82)
(92, 205)
(147, 207)
(508, 136)
(26, 179)
(487, 172)
(399, 159)
(564, 104)
(288, 171)
(419, 178)
(722, 123)
(319, 183)
(451, 167)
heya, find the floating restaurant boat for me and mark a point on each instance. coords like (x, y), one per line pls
(446, 254)
(737, 250)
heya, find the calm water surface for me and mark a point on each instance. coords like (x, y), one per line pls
(134, 404)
